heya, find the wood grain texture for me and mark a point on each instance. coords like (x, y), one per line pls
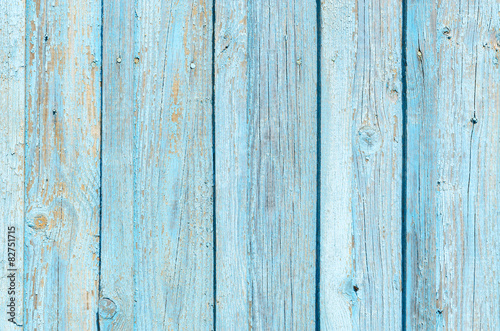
(123, 238)
(62, 164)
(338, 61)
(361, 165)
(173, 168)
(116, 306)
(12, 124)
(453, 166)
(232, 166)
(265, 140)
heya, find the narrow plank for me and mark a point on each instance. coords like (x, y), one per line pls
(339, 24)
(361, 165)
(116, 305)
(12, 124)
(265, 134)
(453, 168)
(62, 164)
(233, 310)
(173, 169)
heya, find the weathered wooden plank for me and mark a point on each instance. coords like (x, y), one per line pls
(232, 165)
(361, 165)
(173, 169)
(453, 166)
(12, 120)
(265, 140)
(62, 164)
(338, 61)
(116, 307)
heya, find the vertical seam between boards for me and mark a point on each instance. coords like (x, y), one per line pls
(318, 165)
(214, 220)
(100, 162)
(404, 107)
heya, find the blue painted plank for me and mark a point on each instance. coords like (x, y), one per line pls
(173, 165)
(361, 166)
(265, 141)
(453, 166)
(339, 30)
(116, 305)
(12, 117)
(62, 164)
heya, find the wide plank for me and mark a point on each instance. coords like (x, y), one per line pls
(265, 141)
(173, 165)
(453, 166)
(62, 164)
(12, 124)
(361, 165)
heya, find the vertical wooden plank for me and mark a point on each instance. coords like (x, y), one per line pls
(233, 310)
(265, 117)
(339, 24)
(116, 305)
(361, 165)
(453, 168)
(62, 164)
(12, 124)
(173, 170)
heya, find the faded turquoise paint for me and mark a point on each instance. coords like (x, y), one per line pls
(12, 128)
(116, 305)
(453, 166)
(361, 165)
(265, 152)
(173, 165)
(157, 166)
(62, 174)
(115, 181)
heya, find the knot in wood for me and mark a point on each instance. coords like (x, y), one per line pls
(107, 308)
(369, 140)
(40, 222)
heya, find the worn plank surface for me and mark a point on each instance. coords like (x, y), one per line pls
(12, 116)
(116, 305)
(265, 141)
(108, 170)
(62, 164)
(453, 166)
(339, 27)
(361, 165)
(173, 168)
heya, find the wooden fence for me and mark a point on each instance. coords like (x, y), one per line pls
(250, 164)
